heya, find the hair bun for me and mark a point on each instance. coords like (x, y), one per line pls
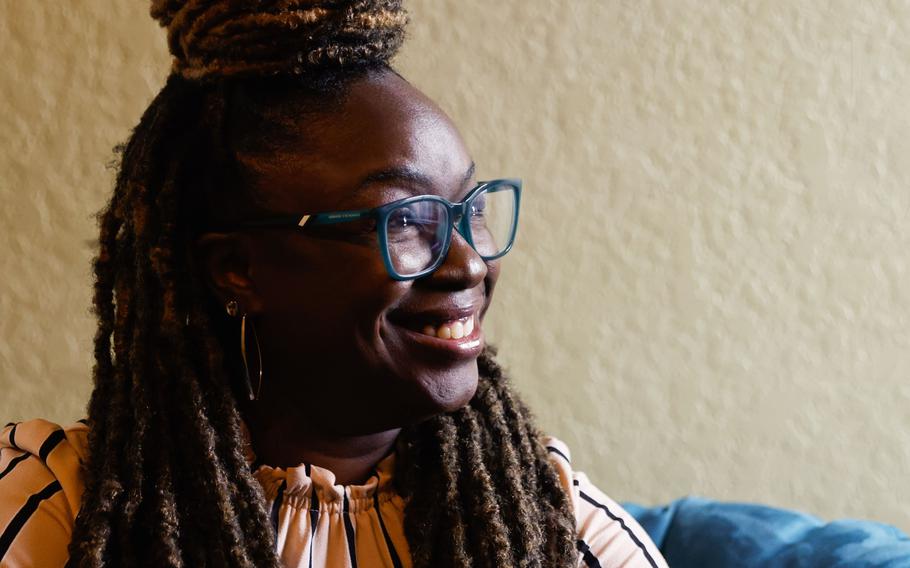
(226, 38)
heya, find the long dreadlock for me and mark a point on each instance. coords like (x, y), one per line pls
(161, 368)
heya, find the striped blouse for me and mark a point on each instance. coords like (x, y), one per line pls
(317, 522)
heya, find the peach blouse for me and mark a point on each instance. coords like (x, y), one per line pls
(317, 522)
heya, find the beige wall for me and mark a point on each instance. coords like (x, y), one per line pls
(709, 292)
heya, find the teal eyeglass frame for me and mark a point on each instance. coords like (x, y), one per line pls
(456, 212)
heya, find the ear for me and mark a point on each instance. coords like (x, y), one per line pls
(224, 260)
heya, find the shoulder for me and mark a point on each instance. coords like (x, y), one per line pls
(40, 490)
(607, 534)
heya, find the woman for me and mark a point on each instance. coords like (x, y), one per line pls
(288, 188)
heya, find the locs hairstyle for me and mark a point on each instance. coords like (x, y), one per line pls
(162, 372)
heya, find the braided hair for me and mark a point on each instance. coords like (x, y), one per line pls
(161, 368)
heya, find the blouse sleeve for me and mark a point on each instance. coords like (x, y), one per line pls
(607, 535)
(40, 491)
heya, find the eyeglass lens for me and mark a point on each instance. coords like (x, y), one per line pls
(416, 231)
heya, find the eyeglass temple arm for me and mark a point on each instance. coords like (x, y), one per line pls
(314, 219)
(335, 217)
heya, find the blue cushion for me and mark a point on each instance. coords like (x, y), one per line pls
(700, 533)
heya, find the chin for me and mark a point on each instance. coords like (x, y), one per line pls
(448, 391)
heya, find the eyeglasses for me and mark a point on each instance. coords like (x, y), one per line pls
(415, 233)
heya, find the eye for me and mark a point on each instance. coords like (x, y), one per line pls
(418, 218)
(401, 218)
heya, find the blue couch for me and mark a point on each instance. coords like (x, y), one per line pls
(700, 533)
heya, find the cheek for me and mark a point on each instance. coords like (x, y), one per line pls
(341, 287)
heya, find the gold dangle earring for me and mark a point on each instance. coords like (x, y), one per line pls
(232, 310)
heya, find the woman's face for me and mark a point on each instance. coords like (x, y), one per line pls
(333, 325)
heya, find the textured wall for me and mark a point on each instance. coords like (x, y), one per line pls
(708, 294)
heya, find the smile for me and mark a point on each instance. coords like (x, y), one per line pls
(458, 339)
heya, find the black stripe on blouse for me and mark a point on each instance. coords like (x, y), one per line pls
(50, 443)
(589, 558)
(314, 511)
(31, 505)
(13, 463)
(557, 451)
(396, 562)
(12, 437)
(349, 531)
(276, 506)
(621, 522)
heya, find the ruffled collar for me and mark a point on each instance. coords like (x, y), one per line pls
(300, 483)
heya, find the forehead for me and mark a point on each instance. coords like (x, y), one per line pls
(387, 140)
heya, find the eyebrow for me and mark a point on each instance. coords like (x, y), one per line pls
(404, 173)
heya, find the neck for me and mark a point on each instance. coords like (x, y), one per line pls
(282, 442)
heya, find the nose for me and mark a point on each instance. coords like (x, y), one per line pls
(462, 267)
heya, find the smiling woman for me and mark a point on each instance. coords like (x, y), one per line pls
(361, 418)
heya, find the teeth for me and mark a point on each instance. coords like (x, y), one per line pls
(451, 330)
